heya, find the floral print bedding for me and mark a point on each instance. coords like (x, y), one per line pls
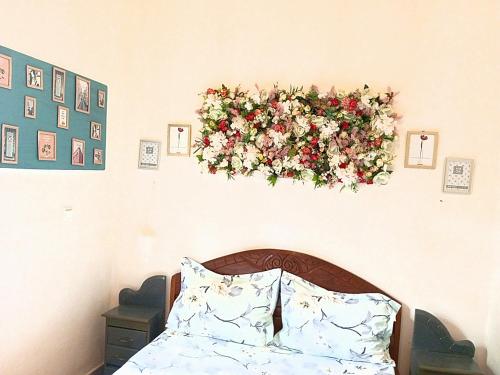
(174, 353)
(228, 307)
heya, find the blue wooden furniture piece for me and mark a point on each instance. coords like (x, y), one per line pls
(434, 352)
(133, 324)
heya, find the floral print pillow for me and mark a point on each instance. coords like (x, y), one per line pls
(236, 308)
(316, 321)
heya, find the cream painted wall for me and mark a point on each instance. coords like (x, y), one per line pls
(55, 270)
(428, 249)
(431, 250)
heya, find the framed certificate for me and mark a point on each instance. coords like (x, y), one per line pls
(457, 175)
(149, 154)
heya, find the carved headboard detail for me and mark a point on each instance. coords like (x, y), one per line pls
(315, 270)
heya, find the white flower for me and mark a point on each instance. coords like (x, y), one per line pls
(259, 140)
(365, 99)
(278, 138)
(248, 106)
(223, 164)
(250, 157)
(379, 163)
(265, 170)
(381, 178)
(193, 297)
(256, 98)
(384, 124)
(209, 154)
(287, 107)
(307, 174)
(239, 123)
(277, 165)
(218, 141)
(236, 163)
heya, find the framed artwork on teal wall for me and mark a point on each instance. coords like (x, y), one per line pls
(50, 117)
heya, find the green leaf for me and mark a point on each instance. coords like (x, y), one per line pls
(272, 179)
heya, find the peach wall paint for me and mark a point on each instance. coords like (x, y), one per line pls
(55, 265)
(430, 250)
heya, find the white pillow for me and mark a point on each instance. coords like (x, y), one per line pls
(237, 308)
(316, 321)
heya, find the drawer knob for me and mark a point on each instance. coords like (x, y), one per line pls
(126, 339)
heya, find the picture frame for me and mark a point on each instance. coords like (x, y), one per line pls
(95, 130)
(457, 176)
(34, 77)
(421, 149)
(77, 152)
(98, 156)
(82, 95)
(10, 144)
(47, 145)
(62, 117)
(179, 140)
(101, 98)
(30, 107)
(58, 85)
(149, 154)
(5, 71)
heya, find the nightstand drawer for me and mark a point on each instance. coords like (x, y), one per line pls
(128, 338)
(117, 356)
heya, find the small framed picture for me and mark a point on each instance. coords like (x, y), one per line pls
(149, 154)
(98, 156)
(47, 144)
(458, 175)
(179, 140)
(101, 98)
(58, 85)
(29, 107)
(34, 77)
(10, 142)
(62, 117)
(77, 152)
(421, 149)
(5, 71)
(95, 130)
(82, 95)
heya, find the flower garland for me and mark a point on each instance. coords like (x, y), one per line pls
(332, 138)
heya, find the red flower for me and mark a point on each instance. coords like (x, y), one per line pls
(206, 141)
(223, 125)
(359, 112)
(290, 173)
(250, 116)
(279, 128)
(306, 150)
(223, 92)
(314, 141)
(237, 134)
(369, 182)
(343, 165)
(353, 104)
(257, 125)
(320, 112)
(269, 162)
(334, 102)
(344, 125)
(314, 157)
(212, 169)
(313, 127)
(274, 104)
(378, 142)
(211, 91)
(360, 174)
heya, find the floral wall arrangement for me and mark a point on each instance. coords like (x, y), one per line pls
(333, 138)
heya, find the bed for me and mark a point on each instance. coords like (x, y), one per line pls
(173, 353)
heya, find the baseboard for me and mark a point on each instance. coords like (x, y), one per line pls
(97, 370)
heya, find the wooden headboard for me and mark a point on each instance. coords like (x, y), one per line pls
(315, 270)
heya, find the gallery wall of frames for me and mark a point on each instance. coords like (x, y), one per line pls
(50, 118)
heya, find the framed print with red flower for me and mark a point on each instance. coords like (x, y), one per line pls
(179, 140)
(421, 149)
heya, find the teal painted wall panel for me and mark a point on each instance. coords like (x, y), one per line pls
(12, 113)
